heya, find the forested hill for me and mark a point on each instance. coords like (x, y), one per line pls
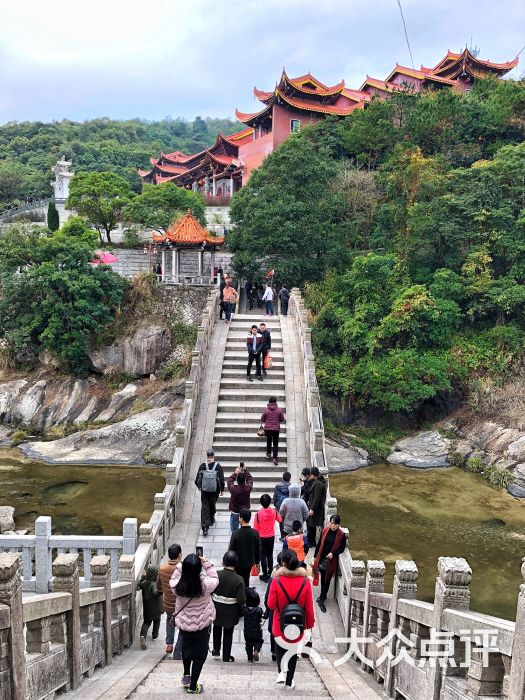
(29, 149)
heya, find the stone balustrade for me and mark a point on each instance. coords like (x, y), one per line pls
(50, 642)
(441, 650)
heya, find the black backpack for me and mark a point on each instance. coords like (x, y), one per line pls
(292, 613)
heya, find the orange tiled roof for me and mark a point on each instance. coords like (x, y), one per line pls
(247, 117)
(379, 84)
(309, 106)
(145, 173)
(239, 134)
(356, 95)
(404, 70)
(187, 230)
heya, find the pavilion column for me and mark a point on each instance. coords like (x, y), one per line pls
(214, 186)
(200, 260)
(231, 186)
(212, 264)
(177, 263)
(163, 265)
(174, 271)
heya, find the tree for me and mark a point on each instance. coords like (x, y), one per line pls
(53, 220)
(288, 217)
(13, 181)
(159, 205)
(51, 297)
(101, 198)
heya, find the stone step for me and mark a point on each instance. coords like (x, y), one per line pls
(241, 334)
(240, 371)
(240, 382)
(238, 342)
(255, 466)
(241, 406)
(238, 364)
(224, 429)
(248, 392)
(250, 456)
(241, 441)
(241, 420)
(236, 352)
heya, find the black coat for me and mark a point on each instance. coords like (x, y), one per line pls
(246, 544)
(317, 501)
(228, 598)
(220, 477)
(267, 339)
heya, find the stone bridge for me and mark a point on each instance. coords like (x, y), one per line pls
(70, 610)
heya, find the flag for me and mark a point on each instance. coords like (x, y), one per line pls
(269, 274)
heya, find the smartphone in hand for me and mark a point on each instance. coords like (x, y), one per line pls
(199, 551)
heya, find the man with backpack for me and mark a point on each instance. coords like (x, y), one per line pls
(210, 482)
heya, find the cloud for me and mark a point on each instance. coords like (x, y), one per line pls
(124, 59)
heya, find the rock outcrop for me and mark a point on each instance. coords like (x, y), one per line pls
(344, 458)
(428, 449)
(139, 355)
(50, 402)
(125, 442)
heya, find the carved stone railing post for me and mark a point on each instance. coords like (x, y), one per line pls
(405, 586)
(101, 578)
(516, 681)
(42, 553)
(129, 536)
(11, 595)
(375, 583)
(66, 580)
(126, 573)
(452, 591)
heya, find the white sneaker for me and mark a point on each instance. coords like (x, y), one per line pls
(290, 687)
(143, 644)
(281, 677)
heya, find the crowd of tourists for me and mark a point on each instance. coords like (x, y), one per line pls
(204, 603)
(258, 294)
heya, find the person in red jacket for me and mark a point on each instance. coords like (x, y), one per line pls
(291, 583)
(264, 524)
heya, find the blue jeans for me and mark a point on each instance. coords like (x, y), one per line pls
(234, 521)
(228, 310)
(269, 307)
(170, 636)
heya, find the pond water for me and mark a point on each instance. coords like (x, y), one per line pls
(394, 512)
(82, 500)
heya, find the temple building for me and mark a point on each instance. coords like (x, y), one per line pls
(219, 171)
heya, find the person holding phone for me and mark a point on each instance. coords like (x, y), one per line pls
(193, 583)
(240, 485)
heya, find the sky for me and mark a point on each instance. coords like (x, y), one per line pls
(131, 58)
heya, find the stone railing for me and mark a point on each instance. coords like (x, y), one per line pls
(38, 551)
(478, 656)
(51, 642)
(8, 214)
(312, 400)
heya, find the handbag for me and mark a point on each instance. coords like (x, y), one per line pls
(261, 431)
(315, 582)
(323, 565)
(255, 570)
(268, 361)
(174, 615)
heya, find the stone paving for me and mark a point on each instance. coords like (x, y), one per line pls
(141, 673)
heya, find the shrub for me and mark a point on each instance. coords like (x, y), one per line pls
(183, 334)
(500, 478)
(475, 464)
(456, 459)
(19, 436)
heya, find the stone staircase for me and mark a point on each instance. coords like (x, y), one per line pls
(240, 406)
(234, 680)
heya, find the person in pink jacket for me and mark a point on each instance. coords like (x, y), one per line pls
(193, 582)
(264, 524)
(271, 420)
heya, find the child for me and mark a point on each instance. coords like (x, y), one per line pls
(264, 524)
(253, 635)
(297, 541)
(151, 603)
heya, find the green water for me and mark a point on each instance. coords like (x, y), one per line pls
(394, 512)
(82, 500)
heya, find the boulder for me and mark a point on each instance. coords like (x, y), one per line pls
(517, 488)
(344, 459)
(7, 519)
(425, 450)
(139, 355)
(121, 443)
(516, 449)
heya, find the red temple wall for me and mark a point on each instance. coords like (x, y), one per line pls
(281, 122)
(252, 153)
(414, 83)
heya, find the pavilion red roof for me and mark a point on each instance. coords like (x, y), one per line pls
(188, 231)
